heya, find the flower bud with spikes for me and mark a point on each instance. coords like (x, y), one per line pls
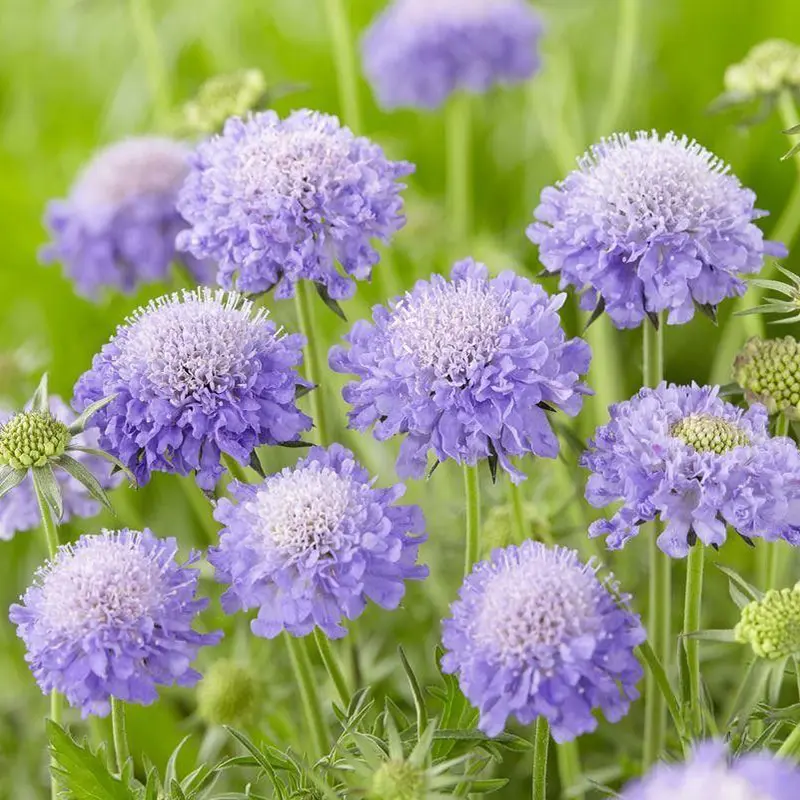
(769, 68)
(769, 372)
(771, 625)
(229, 694)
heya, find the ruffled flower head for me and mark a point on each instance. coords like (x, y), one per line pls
(118, 226)
(310, 545)
(194, 376)
(699, 464)
(468, 368)
(649, 224)
(111, 616)
(277, 201)
(418, 52)
(535, 633)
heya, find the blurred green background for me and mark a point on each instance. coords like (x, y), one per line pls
(71, 79)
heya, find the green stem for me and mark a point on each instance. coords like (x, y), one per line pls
(301, 665)
(541, 741)
(605, 372)
(791, 746)
(334, 669)
(201, 508)
(691, 623)
(458, 123)
(770, 554)
(662, 681)
(344, 57)
(473, 505)
(568, 758)
(119, 733)
(157, 77)
(789, 117)
(521, 528)
(305, 321)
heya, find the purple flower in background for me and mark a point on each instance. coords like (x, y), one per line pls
(710, 774)
(311, 544)
(19, 509)
(111, 616)
(468, 368)
(683, 455)
(650, 224)
(277, 201)
(194, 376)
(535, 633)
(418, 52)
(117, 228)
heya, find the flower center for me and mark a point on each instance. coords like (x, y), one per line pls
(31, 439)
(709, 434)
(701, 783)
(451, 328)
(772, 625)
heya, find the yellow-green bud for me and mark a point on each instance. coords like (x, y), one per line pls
(229, 694)
(768, 68)
(771, 626)
(397, 780)
(769, 372)
(709, 434)
(31, 439)
(500, 529)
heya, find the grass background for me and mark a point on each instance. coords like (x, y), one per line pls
(71, 80)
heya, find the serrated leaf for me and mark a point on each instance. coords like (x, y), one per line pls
(84, 477)
(11, 478)
(40, 402)
(322, 291)
(79, 424)
(46, 485)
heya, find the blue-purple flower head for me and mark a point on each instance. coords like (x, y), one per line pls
(277, 201)
(111, 616)
(118, 226)
(712, 773)
(649, 224)
(19, 509)
(312, 544)
(536, 633)
(419, 52)
(697, 463)
(467, 368)
(195, 376)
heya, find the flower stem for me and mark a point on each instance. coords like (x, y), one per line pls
(541, 741)
(301, 665)
(473, 504)
(344, 57)
(333, 667)
(157, 76)
(791, 746)
(770, 554)
(201, 508)
(691, 623)
(119, 733)
(568, 758)
(305, 321)
(459, 207)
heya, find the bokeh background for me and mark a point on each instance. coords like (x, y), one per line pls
(71, 79)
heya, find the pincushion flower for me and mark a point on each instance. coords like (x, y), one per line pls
(468, 368)
(683, 455)
(418, 52)
(194, 376)
(117, 228)
(649, 224)
(710, 772)
(311, 544)
(536, 633)
(277, 201)
(111, 616)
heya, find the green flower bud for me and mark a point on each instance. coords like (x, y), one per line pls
(769, 68)
(771, 626)
(500, 529)
(31, 439)
(398, 780)
(709, 434)
(769, 372)
(229, 694)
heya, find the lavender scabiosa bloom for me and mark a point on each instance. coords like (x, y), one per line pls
(418, 52)
(681, 454)
(536, 633)
(117, 228)
(649, 224)
(277, 201)
(194, 376)
(710, 773)
(311, 544)
(467, 368)
(111, 616)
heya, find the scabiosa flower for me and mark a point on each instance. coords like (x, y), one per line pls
(117, 228)
(467, 368)
(277, 201)
(649, 224)
(769, 372)
(194, 376)
(681, 454)
(111, 616)
(311, 544)
(418, 52)
(710, 773)
(536, 633)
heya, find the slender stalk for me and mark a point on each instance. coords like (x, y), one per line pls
(201, 509)
(691, 623)
(157, 77)
(568, 758)
(119, 733)
(334, 669)
(541, 742)
(473, 503)
(605, 371)
(301, 665)
(458, 124)
(770, 561)
(521, 529)
(313, 359)
(791, 746)
(344, 58)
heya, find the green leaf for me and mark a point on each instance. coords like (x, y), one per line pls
(419, 700)
(720, 635)
(322, 291)
(83, 476)
(79, 424)
(39, 401)
(93, 451)
(748, 589)
(662, 681)
(262, 760)
(46, 485)
(791, 153)
(487, 785)
(10, 478)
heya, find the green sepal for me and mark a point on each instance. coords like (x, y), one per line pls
(333, 305)
(84, 477)
(39, 401)
(718, 635)
(79, 425)
(10, 478)
(44, 480)
(93, 451)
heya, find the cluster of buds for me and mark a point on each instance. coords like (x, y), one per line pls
(771, 625)
(768, 370)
